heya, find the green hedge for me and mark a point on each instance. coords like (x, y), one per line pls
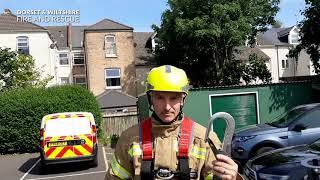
(21, 112)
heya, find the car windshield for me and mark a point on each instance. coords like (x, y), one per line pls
(315, 146)
(285, 119)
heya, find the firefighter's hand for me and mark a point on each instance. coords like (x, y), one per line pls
(225, 167)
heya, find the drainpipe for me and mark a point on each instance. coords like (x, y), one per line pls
(69, 34)
(278, 63)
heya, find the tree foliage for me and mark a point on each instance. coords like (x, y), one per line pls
(277, 24)
(19, 71)
(255, 70)
(309, 34)
(200, 35)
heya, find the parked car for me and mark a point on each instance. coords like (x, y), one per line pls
(284, 163)
(300, 125)
(68, 137)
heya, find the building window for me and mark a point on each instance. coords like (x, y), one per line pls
(295, 39)
(78, 58)
(285, 64)
(63, 59)
(113, 78)
(64, 80)
(23, 45)
(110, 46)
(80, 80)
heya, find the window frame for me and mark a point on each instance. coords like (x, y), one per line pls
(112, 77)
(75, 56)
(80, 76)
(110, 45)
(65, 78)
(26, 38)
(285, 65)
(59, 53)
(296, 37)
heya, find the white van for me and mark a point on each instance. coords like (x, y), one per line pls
(68, 137)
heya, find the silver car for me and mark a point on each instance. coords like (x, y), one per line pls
(300, 125)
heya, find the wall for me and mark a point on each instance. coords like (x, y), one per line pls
(39, 48)
(274, 100)
(97, 62)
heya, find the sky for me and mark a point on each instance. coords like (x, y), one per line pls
(139, 14)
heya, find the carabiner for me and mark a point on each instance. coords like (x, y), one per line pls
(228, 133)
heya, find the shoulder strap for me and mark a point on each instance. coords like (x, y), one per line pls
(185, 139)
(147, 146)
(186, 136)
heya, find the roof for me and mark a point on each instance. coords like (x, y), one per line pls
(143, 48)
(60, 35)
(271, 37)
(77, 36)
(243, 53)
(107, 24)
(9, 23)
(285, 31)
(114, 99)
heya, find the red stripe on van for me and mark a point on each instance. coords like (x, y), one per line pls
(80, 115)
(62, 137)
(88, 148)
(48, 153)
(63, 151)
(77, 152)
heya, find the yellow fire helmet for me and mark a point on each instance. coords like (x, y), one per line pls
(167, 78)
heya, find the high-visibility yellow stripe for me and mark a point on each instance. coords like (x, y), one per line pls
(135, 150)
(69, 154)
(88, 142)
(197, 152)
(175, 146)
(209, 177)
(55, 152)
(118, 170)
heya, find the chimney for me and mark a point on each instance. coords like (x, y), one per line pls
(7, 11)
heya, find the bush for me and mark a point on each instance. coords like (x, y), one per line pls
(21, 112)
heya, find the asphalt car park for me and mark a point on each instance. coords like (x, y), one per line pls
(27, 167)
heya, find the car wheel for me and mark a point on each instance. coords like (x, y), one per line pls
(264, 149)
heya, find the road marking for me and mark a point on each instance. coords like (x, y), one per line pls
(25, 174)
(80, 174)
(105, 158)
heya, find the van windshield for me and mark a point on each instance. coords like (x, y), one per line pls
(67, 126)
(288, 117)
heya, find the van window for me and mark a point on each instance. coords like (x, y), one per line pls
(67, 127)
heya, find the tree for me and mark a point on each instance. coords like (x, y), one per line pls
(309, 34)
(200, 35)
(255, 70)
(277, 24)
(18, 71)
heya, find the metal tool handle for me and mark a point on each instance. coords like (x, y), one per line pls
(229, 131)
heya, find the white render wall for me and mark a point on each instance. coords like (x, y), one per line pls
(273, 65)
(63, 71)
(277, 54)
(39, 48)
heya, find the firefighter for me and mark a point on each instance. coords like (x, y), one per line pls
(168, 145)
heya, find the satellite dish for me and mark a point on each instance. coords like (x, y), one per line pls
(52, 46)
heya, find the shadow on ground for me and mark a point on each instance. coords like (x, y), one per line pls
(54, 168)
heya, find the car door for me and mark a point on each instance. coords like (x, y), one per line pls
(306, 129)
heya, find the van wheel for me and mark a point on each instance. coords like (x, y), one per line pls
(264, 149)
(94, 162)
(43, 167)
